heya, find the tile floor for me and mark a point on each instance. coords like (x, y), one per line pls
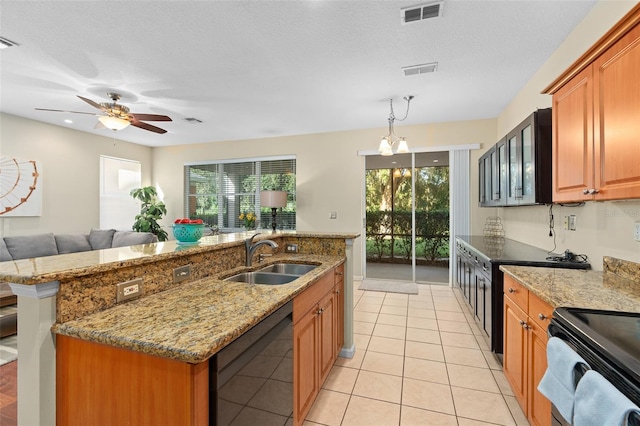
(419, 360)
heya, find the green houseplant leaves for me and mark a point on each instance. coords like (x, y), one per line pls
(151, 211)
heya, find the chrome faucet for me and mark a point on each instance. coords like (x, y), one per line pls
(251, 248)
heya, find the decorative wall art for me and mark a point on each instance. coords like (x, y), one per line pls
(20, 187)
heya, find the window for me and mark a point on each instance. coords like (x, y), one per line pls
(218, 192)
(118, 177)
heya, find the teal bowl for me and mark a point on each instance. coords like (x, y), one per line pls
(188, 232)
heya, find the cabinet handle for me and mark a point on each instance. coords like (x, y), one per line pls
(524, 325)
(337, 291)
(511, 290)
(585, 191)
(590, 191)
(339, 273)
(542, 316)
(320, 311)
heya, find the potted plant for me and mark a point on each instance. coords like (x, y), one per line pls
(151, 211)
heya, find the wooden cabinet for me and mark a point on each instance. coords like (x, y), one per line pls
(526, 319)
(318, 330)
(596, 104)
(516, 171)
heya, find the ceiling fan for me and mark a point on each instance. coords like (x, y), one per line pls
(118, 116)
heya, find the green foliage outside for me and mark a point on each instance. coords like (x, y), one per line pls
(388, 217)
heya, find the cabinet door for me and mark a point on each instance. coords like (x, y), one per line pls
(539, 406)
(500, 171)
(616, 121)
(306, 352)
(515, 350)
(339, 320)
(526, 161)
(327, 334)
(484, 167)
(513, 169)
(572, 146)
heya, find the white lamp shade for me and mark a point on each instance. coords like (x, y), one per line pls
(402, 147)
(273, 198)
(385, 147)
(113, 123)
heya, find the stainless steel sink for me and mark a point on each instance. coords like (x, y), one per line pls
(259, 277)
(289, 268)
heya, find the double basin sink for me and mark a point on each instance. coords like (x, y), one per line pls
(279, 273)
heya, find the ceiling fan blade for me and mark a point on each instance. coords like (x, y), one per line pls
(61, 110)
(150, 117)
(94, 104)
(147, 126)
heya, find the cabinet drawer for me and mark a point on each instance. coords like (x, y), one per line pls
(516, 292)
(540, 311)
(312, 295)
(339, 273)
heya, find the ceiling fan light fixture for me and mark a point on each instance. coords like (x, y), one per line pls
(113, 123)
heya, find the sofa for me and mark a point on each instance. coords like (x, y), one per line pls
(40, 245)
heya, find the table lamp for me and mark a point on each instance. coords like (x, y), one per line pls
(273, 199)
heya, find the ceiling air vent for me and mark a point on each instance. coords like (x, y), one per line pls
(420, 69)
(192, 120)
(418, 13)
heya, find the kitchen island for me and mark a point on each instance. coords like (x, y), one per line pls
(75, 296)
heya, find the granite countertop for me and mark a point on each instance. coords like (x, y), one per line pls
(192, 322)
(63, 266)
(579, 288)
(505, 251)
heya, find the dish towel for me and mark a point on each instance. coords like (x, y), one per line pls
(557, 384)
(599, 403)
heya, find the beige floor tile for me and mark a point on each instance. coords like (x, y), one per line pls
(383, 363)
(367, 307)
(426, 323)
(516, 411)
(395, 302)
(422, 369)
(396, 296)
(472, 378)
(459, 340)
(341, 379)
(252, 416)
(452, 316)
(329, 408)
(360, 327)
(423, 350)
(383, 387)
(502, 382)
(368, 412)
(361, 341)
(365, 316)
(492, 361)
(393, 310)
(469, 422)
(421, 313)
(392, 331)
(454, 327)
(386, 345)
(374, 294)
(355, 362)
(410, 416)
(392, 319)
(483, 342)
(427, 395)
(422, 335)
(421, 304)
(483, 406)
(464, 356)
(448, 307)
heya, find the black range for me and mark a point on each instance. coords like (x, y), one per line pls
(478, 274)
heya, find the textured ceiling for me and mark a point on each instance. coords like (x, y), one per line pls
(253, 69)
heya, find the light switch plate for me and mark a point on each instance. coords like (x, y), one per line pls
(637, 230)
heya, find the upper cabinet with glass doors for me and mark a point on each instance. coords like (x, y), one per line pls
(520, 165)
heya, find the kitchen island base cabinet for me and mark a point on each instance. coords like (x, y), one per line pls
(127, 387)
(526, 319)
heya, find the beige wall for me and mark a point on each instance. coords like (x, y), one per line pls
(604, 228)
(329, 172)
(70, 173)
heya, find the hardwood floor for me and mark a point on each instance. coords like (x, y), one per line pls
(9, 394)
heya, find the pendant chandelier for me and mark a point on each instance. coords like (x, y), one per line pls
(387, 143)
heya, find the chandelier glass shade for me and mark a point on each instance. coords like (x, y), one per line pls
(388, 142)
(113, 123)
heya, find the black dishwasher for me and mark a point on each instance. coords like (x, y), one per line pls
(251, 379)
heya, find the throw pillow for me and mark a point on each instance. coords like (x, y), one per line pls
(4, 253)
(101, 238)
(132, 238)
(29, 246)
(72, 243)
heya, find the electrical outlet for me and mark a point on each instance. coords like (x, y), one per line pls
(181, 274)
(637, 230)
(333, 215)
(572, 222)
(128, 290)
(291, 248)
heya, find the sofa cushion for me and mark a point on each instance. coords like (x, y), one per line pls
(101, 238)
(131, 238)
(28, 246)
(4, 253)
(72, 243)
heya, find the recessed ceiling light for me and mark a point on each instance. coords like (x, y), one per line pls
(68, 121)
